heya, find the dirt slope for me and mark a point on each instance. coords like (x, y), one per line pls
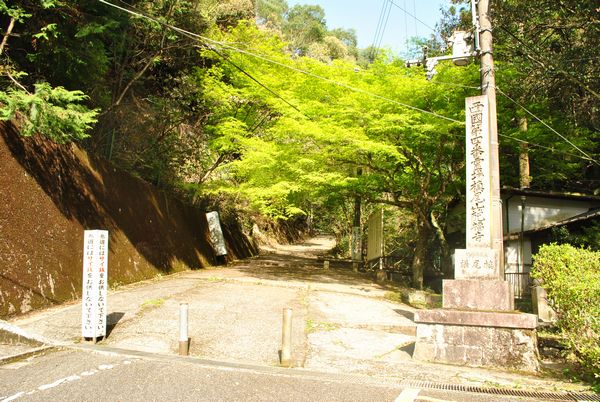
(49, 194)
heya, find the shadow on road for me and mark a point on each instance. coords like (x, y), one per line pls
(294, 268)
(112, 320)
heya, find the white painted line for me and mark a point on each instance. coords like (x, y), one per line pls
(429, 399)
(58, 382)
(408, 395)
(15, 396)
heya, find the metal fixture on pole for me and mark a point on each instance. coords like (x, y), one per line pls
(462, 52)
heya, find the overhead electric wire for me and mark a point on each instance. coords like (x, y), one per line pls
(405, 28)
(228, 60)
(453, 84)
(588, 157)
(542, 146)
(381, 27)
(264, 58)
(559, 69)
(415, 12)
(343, 85)
(384, 27)
(379, 22)
(414, 16)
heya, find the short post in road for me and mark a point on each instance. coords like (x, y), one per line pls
(184, 340)
(286, 338)
(326, 265)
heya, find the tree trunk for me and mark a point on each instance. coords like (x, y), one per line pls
(524, 178)
(446, 260)
(418, 265)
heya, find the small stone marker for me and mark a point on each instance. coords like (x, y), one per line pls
(184, 340)
(95, 284)
(286, 338)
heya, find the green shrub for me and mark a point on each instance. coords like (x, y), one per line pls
(53, 112)
(572, 278)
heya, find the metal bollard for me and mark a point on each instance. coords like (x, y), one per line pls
(184, 340)
(286, 338)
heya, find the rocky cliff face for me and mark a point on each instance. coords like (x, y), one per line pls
(50, 194)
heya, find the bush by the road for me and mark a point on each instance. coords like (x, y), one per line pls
(571, 277)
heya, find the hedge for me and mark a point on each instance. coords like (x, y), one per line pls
(571, 277)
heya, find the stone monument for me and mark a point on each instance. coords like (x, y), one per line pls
(477, 325)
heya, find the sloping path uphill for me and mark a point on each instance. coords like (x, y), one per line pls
(342, 322)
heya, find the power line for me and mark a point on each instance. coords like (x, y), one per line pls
(343, 85)
(453, 84)
(378, 28)
(405, 28)
(588, 157)
(379, 22)
(536, 50)
(224, 57)
(387, 18)
(228, 60)
(415, 13)
(414, 16)
(264, 58)
(382, 25)
(542, 146)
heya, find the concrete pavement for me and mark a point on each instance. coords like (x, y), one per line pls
(342, 323)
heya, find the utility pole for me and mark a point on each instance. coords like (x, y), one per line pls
(488, 87)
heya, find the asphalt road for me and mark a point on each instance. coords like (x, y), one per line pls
(84, 375)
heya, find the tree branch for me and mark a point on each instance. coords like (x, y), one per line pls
(11, 25)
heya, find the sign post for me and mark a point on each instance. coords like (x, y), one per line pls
(216, 233)
(95, 284)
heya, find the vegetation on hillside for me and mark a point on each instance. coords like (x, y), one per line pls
(263, 106)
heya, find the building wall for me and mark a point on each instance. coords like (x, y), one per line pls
(511, 255)
(540, 212)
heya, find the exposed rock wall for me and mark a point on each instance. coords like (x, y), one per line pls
(49, 194)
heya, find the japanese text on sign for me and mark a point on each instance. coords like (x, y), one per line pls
(95, 283)
(479, 200)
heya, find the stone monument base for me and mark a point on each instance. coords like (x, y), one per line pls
(476, 294)
(477, 338)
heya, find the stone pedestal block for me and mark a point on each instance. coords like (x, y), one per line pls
(476, 338)
(472, 294)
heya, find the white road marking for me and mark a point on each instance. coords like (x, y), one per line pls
(58, 382)
(15, 396)
(408, 395)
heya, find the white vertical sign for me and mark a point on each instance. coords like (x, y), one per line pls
(216, 233)
(95, 283)
(375, 235)
(479, 193)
